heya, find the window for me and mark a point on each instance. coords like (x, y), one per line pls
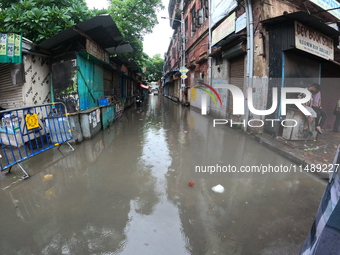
(186, 30)
(193, 20)
(206, 8)
(204, 11)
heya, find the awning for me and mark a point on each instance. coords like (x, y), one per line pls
(307, 20)
(122, 48)
(235, 51)
(202, 58)
(169, 76)
(171, 72)
(101, 29)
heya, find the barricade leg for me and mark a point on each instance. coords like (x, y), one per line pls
(23, 170)
(70, 146)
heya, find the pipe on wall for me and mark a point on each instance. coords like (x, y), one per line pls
(250, 55)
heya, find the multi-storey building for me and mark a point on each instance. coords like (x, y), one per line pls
(259, 45)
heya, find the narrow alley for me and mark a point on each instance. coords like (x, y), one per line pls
(125, 191)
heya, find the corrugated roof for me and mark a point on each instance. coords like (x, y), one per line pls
(102, 29)
(122, 48)
(307, 20)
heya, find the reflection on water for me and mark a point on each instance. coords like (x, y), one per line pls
(159, 230)
(126, 192)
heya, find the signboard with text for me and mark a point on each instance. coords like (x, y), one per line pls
(10, 47)
(313, 42)
(241, 23)
(95, 50)
(224, 29)
(183, 71)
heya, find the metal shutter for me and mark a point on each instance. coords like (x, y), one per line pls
(10, 95)
(236, 77)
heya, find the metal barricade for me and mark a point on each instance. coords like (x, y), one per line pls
(28, 131)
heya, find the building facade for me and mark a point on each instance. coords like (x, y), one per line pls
(258, 46)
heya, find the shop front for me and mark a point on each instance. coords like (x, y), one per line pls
(229, 63)
(169, 84)
(84, 77)
(302, 51)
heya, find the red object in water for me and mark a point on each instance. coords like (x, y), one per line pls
(191, 184)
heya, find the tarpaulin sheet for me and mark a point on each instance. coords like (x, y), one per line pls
(221, 9)
(324, 237)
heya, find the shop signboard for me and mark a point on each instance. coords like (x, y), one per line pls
(95, 50)
(10, 47)
(241, 23)
(313, 42)
(224, 29)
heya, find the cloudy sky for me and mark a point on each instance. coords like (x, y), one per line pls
(158, 41)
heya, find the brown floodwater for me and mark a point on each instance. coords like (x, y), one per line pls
(126, 191)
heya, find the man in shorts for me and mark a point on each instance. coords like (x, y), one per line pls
(310, 118)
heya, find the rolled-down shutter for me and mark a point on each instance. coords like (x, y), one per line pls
(10, 95)
(236, 77)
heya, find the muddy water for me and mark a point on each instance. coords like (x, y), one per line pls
(126, 192)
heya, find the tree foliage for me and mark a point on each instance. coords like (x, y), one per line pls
(41, 19)
(154, 68)
(135, 19)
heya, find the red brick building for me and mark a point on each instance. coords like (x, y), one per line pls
(257, 45)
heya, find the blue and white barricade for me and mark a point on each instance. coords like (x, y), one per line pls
(28, 131)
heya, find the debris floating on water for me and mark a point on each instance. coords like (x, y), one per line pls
(218, 188)
(48, 177)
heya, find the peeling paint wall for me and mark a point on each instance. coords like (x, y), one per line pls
(274, 8)
(263, 10)
(259, 95)
(177, 87)
(36, 89)
(195, 94)
(260, 40)
(220, 72)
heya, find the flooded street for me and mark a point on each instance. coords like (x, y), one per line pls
(126, 191)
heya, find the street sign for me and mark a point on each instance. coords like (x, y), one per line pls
(184, 70)
(183, 76)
